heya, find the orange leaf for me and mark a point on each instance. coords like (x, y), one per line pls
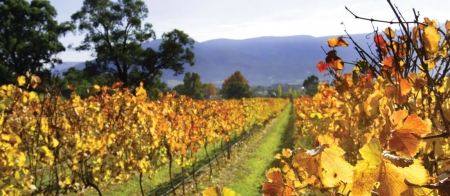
(398, 116)
(287, 152)
(405, 87)
(306, 161)
(334, 42)
(322, 66)
(389, 91)
(416, 125)
(447, 26)
(379, 41)
(388, 61)
(326, 139)
(211, 191)
(405, 144)
(275, 185)
(334, 61)
(415, 35)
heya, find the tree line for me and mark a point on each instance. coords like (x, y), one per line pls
(114, 32)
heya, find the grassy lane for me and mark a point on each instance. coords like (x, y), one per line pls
(245, 173)
(260, 157)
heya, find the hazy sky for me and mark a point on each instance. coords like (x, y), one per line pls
(240, 19)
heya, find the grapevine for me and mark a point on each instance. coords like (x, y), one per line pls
(50, 145)
(380, 129)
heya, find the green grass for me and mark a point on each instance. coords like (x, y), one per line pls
(262, 157)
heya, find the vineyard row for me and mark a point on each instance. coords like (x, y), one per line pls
(51, 145)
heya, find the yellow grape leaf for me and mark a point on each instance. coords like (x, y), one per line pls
(68, 181)
(389, 32)
(405, 144)
(446, 108)
(316, 114)
(33, 96)
(211, 191)
(416, 173)
(96, 88)
(55, 142)
(229, 192)
(366, 174)
(372, 104)
(278, 156)
(21, 80)
(372, 151)
(431, 38)
(334, 168)
(392, 180)
(25, 97)
(445, 87)
(5, 137)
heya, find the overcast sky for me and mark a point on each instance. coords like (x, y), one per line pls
(240, 19)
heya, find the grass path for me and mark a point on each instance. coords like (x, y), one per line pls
(245, 173)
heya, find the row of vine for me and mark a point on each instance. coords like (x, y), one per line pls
(49, 145)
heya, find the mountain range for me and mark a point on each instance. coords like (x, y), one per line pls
(263, 61)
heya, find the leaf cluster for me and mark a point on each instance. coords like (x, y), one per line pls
(381, 128)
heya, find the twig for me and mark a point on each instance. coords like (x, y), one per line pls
(444, 135)
(382, 21)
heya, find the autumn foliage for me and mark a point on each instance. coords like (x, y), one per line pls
(49, 145)
(381, 129)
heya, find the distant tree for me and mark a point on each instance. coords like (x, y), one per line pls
(311, 84)
(290, 91)
(115, 33)
(279, 91)
(192, 86)
(179, 89)
(210, 90)
(29, 37)
(155, 87)
(83, 81)
(236, 87)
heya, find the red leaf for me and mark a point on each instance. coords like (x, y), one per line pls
(379, 40)
(322, 66)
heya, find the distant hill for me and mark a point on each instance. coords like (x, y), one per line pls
(263, 61)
